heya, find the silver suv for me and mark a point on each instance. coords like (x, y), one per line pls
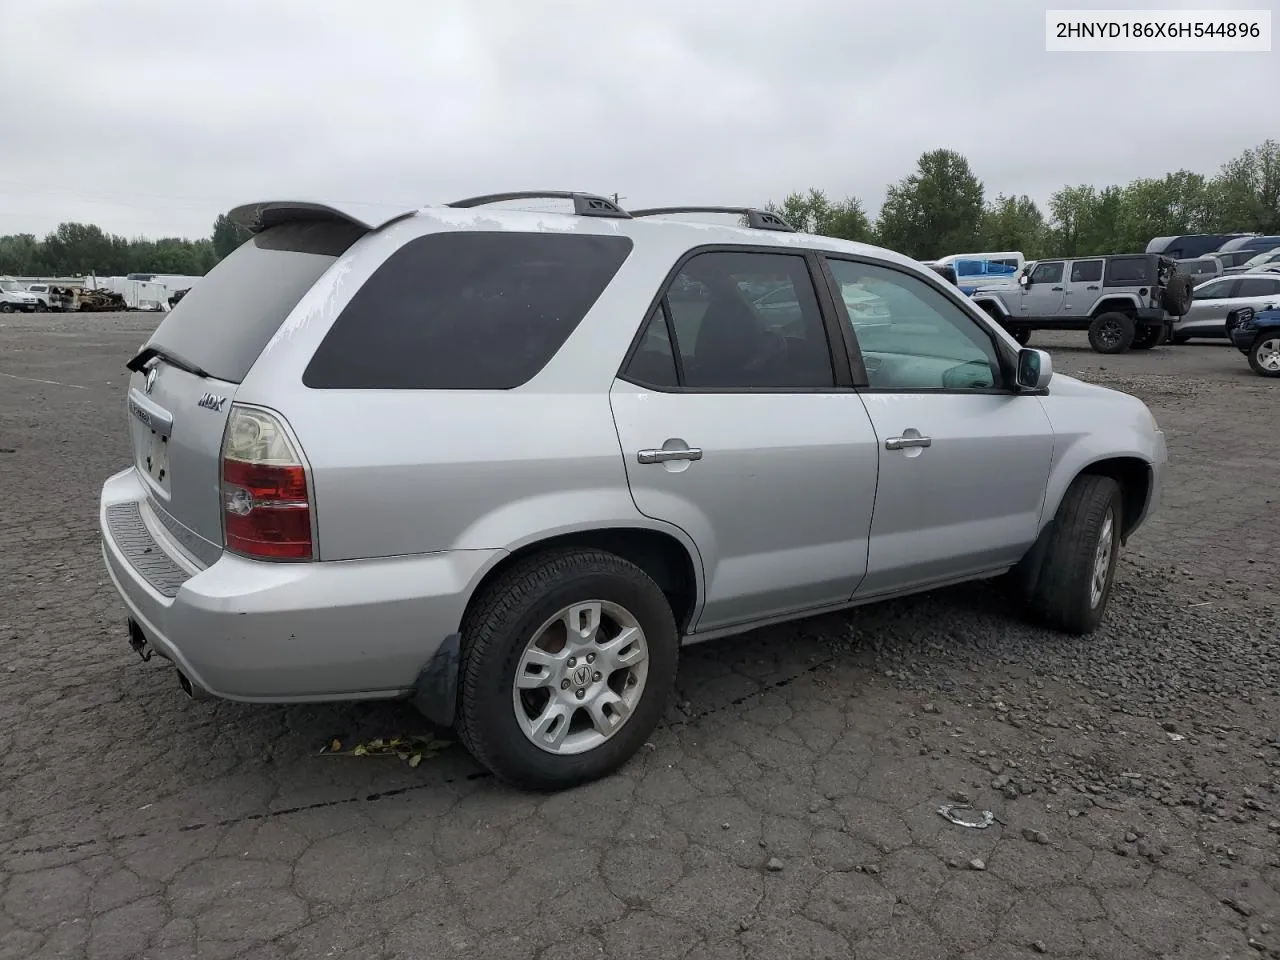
(503, 463)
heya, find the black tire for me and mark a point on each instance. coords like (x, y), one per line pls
(1265, 345)
(1056, 577)
(1177, 295)
(1111, 333)
(1144, 338)
(41, 308)
(495, 632)
(1022, 335)
(6, 308)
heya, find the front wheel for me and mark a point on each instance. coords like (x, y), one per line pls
(1022, 335)
(1264, 355)
(6, 308)
(1067, 578)
(568, 661)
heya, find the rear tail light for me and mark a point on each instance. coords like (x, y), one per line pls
(265, 506)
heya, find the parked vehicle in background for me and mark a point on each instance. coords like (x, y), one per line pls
(1255, 263)
(613, 449)
(1253, 241)
(144, 295)
(1190, 247)
(1212, 301)
(1232, 258)
(14, 298)
(1124, 302)
(40, 291)
(1200, 270)
(1256, 334)
(975, 270)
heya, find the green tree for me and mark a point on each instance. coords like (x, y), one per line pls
(1245, 195)
(1014, 223)
(934, 211)
(1084, 221)
(227, 235)
(1170, 206)
(813, 212)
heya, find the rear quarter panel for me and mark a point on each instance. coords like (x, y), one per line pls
(399, 472)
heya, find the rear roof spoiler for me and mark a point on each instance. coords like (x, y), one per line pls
(270, 213)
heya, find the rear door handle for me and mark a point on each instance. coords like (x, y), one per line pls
(902, 443)
(1094, 287)
(663, 456)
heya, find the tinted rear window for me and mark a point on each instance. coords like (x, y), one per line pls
(1125, 272)
(225, 320)
(466, 311)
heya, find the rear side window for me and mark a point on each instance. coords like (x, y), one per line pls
(466, 311)
(1258, 287)
(1127, 272)
(1086, 271)
(225, 320)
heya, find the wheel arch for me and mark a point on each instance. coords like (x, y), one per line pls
(1132, 473)
(1114, 304)
(673, 563)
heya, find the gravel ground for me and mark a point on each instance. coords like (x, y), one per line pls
(788, 807)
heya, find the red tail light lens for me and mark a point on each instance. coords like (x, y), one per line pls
(265, 506)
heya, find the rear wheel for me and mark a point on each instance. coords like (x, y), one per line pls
(1111, 333)
(1264, 355)
(1022, 335)
(1067, 578)
(568, 661)
(1147, 337)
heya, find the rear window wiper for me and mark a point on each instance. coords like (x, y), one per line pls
(147, 354)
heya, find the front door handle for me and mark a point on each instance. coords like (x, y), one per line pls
(1094, 287)
(663, 456)
(902, 443)
(1057, 288)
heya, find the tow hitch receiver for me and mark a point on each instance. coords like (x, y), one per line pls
(138, 641)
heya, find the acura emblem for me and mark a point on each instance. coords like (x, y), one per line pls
(151, 379)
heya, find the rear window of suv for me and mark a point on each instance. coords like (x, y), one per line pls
(223, 322)
(466, 311)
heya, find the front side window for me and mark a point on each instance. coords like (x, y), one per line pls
(1213, 291)
(748, 321)
(1048, 272)
(919, 339)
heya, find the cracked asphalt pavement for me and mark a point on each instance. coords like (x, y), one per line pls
(787, 807)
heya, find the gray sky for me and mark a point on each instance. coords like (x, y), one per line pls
(152, 116)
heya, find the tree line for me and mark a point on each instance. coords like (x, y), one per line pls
(940, 208)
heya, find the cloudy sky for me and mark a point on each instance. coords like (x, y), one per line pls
(151, 116)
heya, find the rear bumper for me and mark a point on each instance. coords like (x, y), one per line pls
(283, 632)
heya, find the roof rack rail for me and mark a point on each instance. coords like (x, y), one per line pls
(584, 204)
(756, 219)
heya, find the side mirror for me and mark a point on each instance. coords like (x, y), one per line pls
(1024, 280)
(1035, 369)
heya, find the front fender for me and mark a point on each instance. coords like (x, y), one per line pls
(995, 302)
(1091, 428)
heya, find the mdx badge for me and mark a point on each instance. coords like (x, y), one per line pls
(211, 402)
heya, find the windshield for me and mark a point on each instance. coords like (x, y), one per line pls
(9, 286)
